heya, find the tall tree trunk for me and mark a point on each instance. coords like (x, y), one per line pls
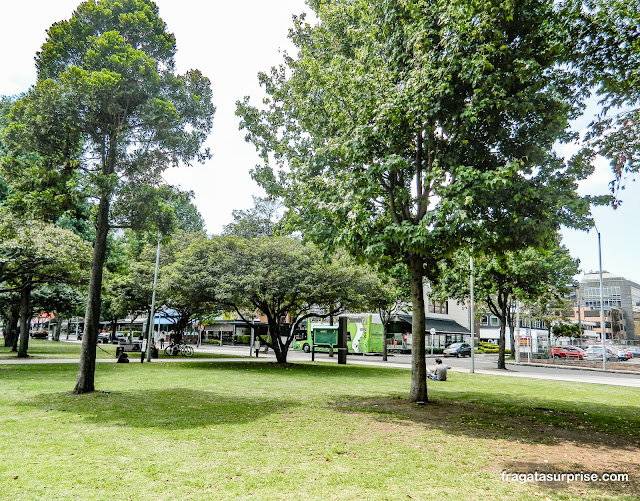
(11, 325)
(418, 391)
(501, 343)
(512, 339)
(58, 329)
(25, 313)
(274, 339)
(385, 327)
(511, 320)
(87, 366)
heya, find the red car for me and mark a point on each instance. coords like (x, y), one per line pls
(567, 352)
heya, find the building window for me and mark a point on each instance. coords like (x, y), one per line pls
(484, 320)
(439, 307)
(495, 322)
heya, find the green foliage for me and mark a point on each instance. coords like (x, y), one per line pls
(186, 284)
(566, 330)
(484, 347)
(64, 299)
(106, 90)
(33, 252)
(403, 131)
(106, 117)
(529, 275)
(392, 295)
(438, 127)
(243, 339)
(604, 42)
(259, 221)
(282, 277)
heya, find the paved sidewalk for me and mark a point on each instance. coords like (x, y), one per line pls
(592, 377)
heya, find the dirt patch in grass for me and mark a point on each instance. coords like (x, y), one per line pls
(527, 440)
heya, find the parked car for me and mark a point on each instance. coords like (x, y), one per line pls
(119, 336)
(81, 335)
(567, 352)
(622, 352)
(634, 350)
(594, 352)
(457, 350)
(104, 337)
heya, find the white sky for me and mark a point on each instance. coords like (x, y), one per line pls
(230, 42)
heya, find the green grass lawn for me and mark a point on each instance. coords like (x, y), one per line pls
(40, 349)
(255, 430)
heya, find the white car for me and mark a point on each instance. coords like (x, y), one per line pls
(594, 352)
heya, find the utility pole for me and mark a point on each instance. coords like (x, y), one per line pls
(602, 324)
(472, 320)
(153, 300)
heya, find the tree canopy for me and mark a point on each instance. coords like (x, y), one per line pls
(107, 115)
(502, 278)
(404, 130)
(604, 45)
(34, 253)
(287, 281)
(258, 221)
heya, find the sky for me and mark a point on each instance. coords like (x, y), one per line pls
(230, 42)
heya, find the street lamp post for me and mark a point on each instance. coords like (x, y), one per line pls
(153, 301)
(602, 324)
(578, 305)
(472, 319)
(516, 348)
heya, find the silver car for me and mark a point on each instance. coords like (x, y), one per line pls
(595, 353)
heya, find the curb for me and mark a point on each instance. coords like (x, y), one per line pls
(575, 368)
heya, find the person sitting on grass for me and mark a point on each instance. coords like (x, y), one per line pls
(440, 372)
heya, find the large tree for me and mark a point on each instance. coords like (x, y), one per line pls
(33, 253)
(501, 278)
(287, 281)
(403, 130)
(261, 220)
(108, 104)
(186, 284)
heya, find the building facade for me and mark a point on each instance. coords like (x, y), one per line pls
(619, 294)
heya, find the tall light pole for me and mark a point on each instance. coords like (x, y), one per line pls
(602, 324)
(153, 301)
(472, 320)
(578, 304)
(516, 349)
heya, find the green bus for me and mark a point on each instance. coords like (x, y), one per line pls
(363, 336)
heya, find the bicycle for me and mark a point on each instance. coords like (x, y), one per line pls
(175, 349)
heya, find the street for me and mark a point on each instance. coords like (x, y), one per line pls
(483, 364)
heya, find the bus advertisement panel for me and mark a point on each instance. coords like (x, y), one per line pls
(363, 336)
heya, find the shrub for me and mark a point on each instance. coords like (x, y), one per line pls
(484, 347)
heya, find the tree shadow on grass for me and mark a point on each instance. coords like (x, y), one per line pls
(317, 369)
(167, 409)
(549, 440)
(526, 421)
